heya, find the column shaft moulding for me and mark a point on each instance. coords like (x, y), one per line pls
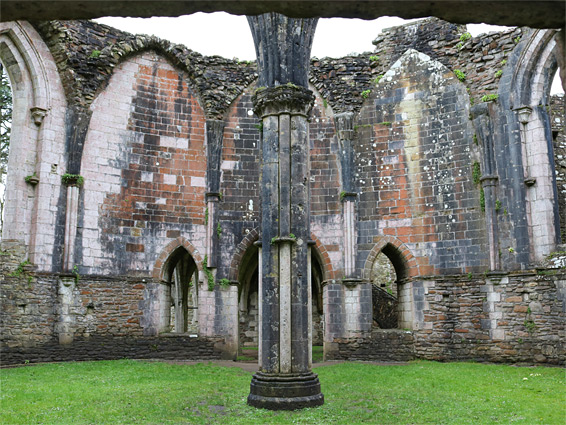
(285, 380)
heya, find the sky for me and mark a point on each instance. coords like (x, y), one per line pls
(203, 32)
(229, 36)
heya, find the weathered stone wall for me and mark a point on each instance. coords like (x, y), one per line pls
(515, 318)
(46, 317)
(157, 131)
(558, 121)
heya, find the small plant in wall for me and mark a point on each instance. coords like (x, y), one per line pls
(465, 37)
(378, 79)
(374, 58)
(72, 179)
(32, 179)
(365, 93)
(75, 272)
(529, 322)
(208, 273)
(498, 74)
(460, 75)
(490, 98)
(224, 282)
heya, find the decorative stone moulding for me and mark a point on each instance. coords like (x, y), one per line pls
(284, 99)
(213, 196)
(348, 196)
(352, 282)
(530, 181)
(72, 180)
(38, 114)
(489, 180)
(524, 113)
(32, 180)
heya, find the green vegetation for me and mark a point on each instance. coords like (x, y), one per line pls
(497, 205)
(75, 272)
(208, 273)
(482, 199)
(117, 392)
(20, 270)
(218, 230)
(224, 282)
(374, 58)
(460, 75)
(206, 216)
(259, 126)
(517, 39)
(386, 123)
(476, 172)
(489, 97)
(365, 93)
(72, 179)
(465, 37)
(378, 79)
(324, 103)
(95, 54)
(31, 179)
(503, 62)
(475, 140)
(498, 74)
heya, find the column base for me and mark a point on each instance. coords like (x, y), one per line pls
(285, 391)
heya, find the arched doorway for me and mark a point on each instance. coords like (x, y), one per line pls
(248, 302)
(181, 294)
(391, 294)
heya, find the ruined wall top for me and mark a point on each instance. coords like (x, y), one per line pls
(343, 82)
(87, 52)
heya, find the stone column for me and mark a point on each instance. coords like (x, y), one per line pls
(483, 126)
(285, 380)
(345, 129)
(214, 138)
(71, 217)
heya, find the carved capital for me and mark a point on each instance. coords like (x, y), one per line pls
(37, 114)
(286, 99)
(524, 112)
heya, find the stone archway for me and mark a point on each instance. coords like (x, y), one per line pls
(38, 112)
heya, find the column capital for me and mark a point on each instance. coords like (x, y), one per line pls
(285, 99)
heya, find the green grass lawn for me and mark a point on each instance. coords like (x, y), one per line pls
(137, 392)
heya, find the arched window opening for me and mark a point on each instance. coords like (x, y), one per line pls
(557, 122)
(5, 128)
(248, 296)
(181, 314)
(317, 277)
(391, 296)
(249, 301)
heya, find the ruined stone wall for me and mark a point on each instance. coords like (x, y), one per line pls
(558, 120)
(145, 108)
(144, 166)
(516, 318)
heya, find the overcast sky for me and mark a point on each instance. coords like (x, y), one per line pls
(229, 35)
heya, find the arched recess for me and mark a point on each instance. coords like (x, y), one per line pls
(539, 60)
(176, 299)
(388, 267)
(36, 142)
(143, 164)
(244, 270)
(160, 266)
